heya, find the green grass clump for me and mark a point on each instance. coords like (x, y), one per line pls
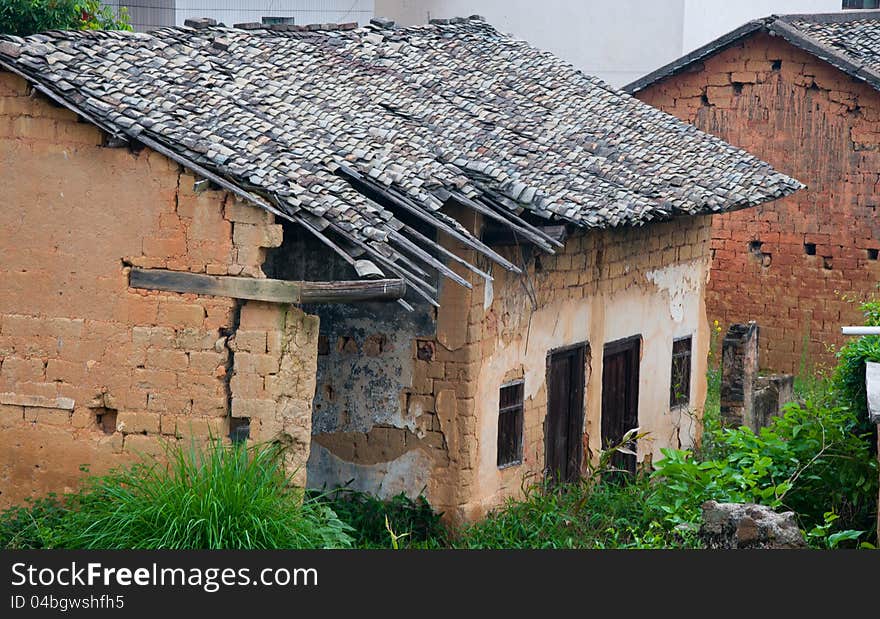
(588, 514)
(219, 497)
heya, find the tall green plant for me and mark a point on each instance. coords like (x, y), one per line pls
(812, 460)
(219, 497)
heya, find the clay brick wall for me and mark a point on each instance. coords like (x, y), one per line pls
(442, 433)
(794, 265)
(602, 286)
(93, 372)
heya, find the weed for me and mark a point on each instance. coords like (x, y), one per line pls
(219, 497)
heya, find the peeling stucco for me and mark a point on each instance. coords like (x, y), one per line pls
(357, 391)
(408, 473)
(679, 281)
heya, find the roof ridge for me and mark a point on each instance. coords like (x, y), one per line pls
(838, 17)
(209, 24)
(786, 27)
(323, 27)
(344, 137)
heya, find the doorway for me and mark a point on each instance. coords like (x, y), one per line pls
(564, 425)
(620, 397)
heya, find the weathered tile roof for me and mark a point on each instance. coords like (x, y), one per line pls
(849, 40)
(341, 129)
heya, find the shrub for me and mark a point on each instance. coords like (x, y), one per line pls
(220, 497)
(31, 526)
(849, 375)
(374, 520)
(812, 460)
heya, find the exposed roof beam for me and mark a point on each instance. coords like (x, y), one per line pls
(271, 290)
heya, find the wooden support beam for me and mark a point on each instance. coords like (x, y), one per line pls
(431, 243)
(272, 290)
(388, 197)
(508, 219)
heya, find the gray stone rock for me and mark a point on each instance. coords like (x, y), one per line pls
(770, 394)
(747, 525)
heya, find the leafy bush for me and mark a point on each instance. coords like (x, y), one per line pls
(222, 497)
(24, 17)
(376, 523)
(812, 460)
(849, 375)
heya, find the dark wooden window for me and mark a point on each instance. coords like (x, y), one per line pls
(680, 387)
(861, 4)
(510, 424)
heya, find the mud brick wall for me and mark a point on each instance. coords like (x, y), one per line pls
(603, 286)
(93, 372)
(430, 421)
(793, 265)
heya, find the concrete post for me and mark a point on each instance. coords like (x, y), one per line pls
(739, 370)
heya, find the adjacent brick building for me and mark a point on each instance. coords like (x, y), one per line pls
(181, 237)
(802, 92)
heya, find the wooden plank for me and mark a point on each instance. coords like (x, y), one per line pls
(36, 401)
(420, 253)
(509, 220)
(442, 250)
(272, 290)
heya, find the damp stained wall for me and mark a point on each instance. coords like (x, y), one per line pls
(362, 413)
(648, 282)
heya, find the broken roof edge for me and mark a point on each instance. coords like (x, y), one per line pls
(393, 261)
(772, 25)
(264, 203)
(365, 269)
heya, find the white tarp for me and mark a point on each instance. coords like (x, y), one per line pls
(872, 383)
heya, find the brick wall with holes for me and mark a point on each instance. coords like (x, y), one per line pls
(93, 372)
(795, 265)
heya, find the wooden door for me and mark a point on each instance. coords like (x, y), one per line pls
(620, 396)
(564, 425)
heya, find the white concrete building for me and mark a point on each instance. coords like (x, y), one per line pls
(151, 14)
(617, 41)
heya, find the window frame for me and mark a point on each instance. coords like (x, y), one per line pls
(847, 5)
(676, 401)
(518, 409)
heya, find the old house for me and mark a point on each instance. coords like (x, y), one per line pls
(183, 212)
(802, 92)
